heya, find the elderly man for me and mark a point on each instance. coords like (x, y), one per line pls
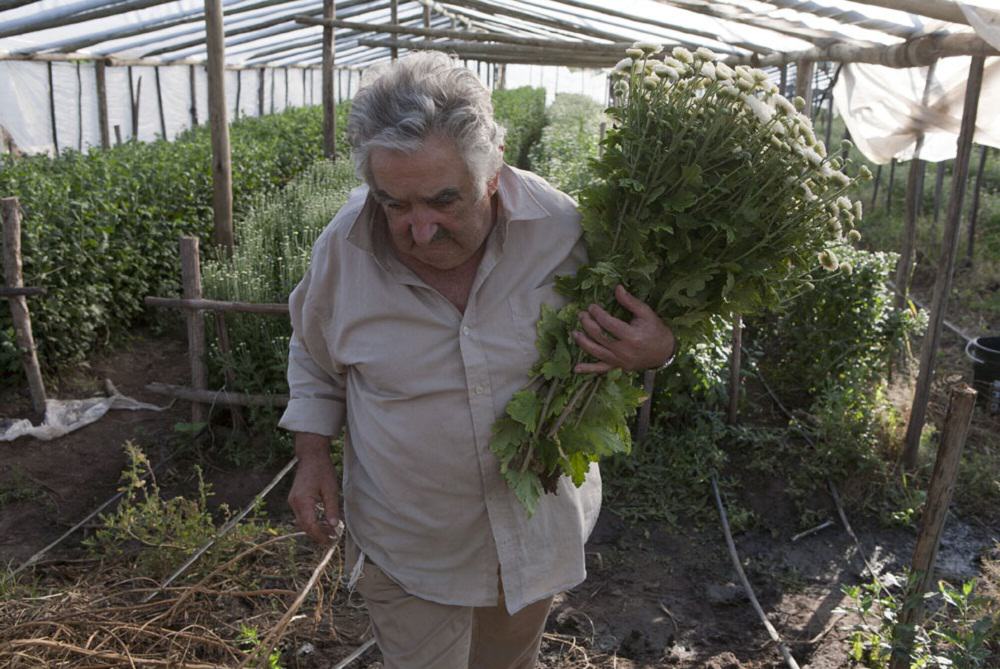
(413, 327)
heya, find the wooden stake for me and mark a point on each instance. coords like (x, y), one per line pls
(783, 85)
(203, 397)
(286, 88)
(239, 91)
(118, 135)
(133, 102)
(52, 110)
(804, 70)
(974, 214)
(79, 108)
(329, 105)
(905, 263)
(222, 169)
(14, 278)
(159, 103)
(939, 493)
(100, 68)
(192, 91)
(191, 282)
(734, 370)
(261, 74)
(946, 266)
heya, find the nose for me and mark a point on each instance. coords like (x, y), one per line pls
(423, 226)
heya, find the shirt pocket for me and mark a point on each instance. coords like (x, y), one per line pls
(526, 309)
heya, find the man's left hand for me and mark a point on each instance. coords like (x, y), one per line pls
(644, 343)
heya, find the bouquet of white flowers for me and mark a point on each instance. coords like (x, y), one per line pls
(713, 197)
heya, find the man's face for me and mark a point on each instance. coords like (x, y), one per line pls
(430, 201)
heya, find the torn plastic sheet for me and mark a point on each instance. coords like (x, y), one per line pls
(65, 416)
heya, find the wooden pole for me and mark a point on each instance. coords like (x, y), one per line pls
(198, 304)
(783, 85)
(735, 362)
(329, 104)
(891, 185)
(14, 278)
(203, 397)
(191, 290)
(938, 186)
(394, 20)
(878, 180)
(52, 110)
(79, 108)
(159, 103)
(118, 135)
(946, 266)
(286, 88)
(273, 79)
(131, 102)
(102, 102)
(905, 262)
(804, 70)
(829, 118)
(261, 75)
(222, 170)
(239, 91)
(192, 91)
(304, 87)
(939, 493)
(974, 214)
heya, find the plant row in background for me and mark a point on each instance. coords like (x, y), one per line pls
(568, 142)
(522, 112)
(100, 229)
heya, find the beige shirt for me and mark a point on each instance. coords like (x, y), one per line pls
(419, 385)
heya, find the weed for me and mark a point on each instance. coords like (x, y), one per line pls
(250, 641)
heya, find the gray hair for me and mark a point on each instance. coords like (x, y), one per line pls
(419, 95)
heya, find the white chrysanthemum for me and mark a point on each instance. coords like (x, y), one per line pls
(621, 88)
(670, 61)
(778, 144)
(649, 48)
(723, 71)
(841, 179)
(799, 102)
(760, 76)
(624, 65)
(634, 53)
(651, 81)
(682, 54)
(828, 260)
(813, 157)
(854, 236)
(843, 203)
(857, 209)
(834, 226)
(667, 71)
(708, 71)
(865, 173)
(705, 54)
(744, 85)
(784, 106)
(846, 267)
(820, 148)
(807, 191)
(759, 108)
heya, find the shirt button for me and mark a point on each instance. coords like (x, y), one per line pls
(479, 390)
(466, 330)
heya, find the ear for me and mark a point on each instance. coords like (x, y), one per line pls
(493, 184)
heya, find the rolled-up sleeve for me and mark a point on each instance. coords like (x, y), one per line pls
(316, 383)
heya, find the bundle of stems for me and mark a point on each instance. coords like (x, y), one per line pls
(713, 197)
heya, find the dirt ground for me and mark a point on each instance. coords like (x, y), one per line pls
(654, 597)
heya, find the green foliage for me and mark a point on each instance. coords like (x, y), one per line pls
(250, 641)
(160, 532)
(522, 112)
(568, 142)
(956, 632)
(712, 198)
(100, 229)
(845, 325)
(276, 237)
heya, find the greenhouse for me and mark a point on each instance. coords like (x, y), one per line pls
(500, 333)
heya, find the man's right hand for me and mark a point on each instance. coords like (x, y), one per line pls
(315, 487)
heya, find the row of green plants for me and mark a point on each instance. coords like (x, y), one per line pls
(521, 111)
(100, 229)
(568, 142)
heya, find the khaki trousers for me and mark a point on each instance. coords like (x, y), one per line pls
(414, 633)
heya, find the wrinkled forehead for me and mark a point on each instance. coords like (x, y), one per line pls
(426, 172)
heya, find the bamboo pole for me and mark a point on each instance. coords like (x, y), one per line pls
(905, 263)
(192, 92)
(502, 38)
(804, 71)
(202, 397)
(14, 278)
(944, 10)
(329, 104)
(199, 304)
(475, 50)
(735, 363)
(946, 266)
(939, 494)
(191, 282)
(159, 103)
(917, 52)
(52, 110)
(974, 214)
(100, 69)
(222, 169)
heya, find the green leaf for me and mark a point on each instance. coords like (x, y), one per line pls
(524, 408)
(526, 487)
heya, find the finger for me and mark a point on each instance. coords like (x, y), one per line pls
(305, 518)
(615, 326)
(595, 349)
(331, 506)
(631, 302)
(592, 368)
(593, 330)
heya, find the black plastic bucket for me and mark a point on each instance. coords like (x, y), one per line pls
(985, 355)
